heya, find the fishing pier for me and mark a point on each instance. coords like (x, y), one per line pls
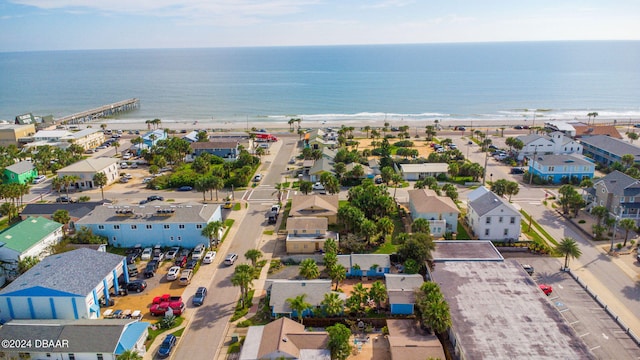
(102, 111)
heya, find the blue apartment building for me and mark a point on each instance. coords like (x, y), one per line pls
(558, 169)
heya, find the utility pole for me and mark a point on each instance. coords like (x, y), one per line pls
(535, 153)
(484, 176)
(615, 227)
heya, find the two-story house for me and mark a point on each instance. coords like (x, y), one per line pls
(227, 149)
(155, 223)
(22, 172)
(619, 193)
(86, 169)
(607, 150)
(554, 143)
(307, 234)
(441, 211)
(559, 169)
(492, 217)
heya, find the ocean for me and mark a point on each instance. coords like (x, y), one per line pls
(421, 82)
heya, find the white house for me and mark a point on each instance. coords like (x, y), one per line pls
(86, 169)
(80, 339)
(492, 217)
(421, 171)
(441, 211)
(554, 143)
(30, 237)
(71, 285)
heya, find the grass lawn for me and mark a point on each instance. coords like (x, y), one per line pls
(547, 238)
(237, 206)
(386, 248)
(268, 232)
(154, 333)
(462, 232)
(285, 215)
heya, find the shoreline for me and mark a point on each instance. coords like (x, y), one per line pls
(124, 124)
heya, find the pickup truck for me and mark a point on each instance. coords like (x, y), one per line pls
(275, 208)
(273, 217)
(160, 309)
(166, 298)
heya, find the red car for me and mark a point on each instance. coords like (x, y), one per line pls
(161, 309)
(181, 261)
(546, 289)
(166, 298)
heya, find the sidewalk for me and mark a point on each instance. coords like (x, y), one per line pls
(202, 278)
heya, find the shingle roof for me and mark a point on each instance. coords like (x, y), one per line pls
(321, 165)
(20, 167)
(89, 165)
(182, 213)
(76, 210)
(75, 272)
(616, 182)
(409, 342)
(215, 144)
(608, 130)
(403, 281)
(281, 290)
(82, 336)
(27, 233)
(367, 261)
(489, 201)
(316, 205)
(307, 223)
(531, 137)
(562, 159)
(614, 146)
(427, 201)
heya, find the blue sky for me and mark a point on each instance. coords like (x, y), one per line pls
(117, 24)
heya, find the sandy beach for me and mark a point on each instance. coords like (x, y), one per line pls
(274, 126)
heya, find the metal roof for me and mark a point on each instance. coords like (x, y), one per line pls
(27, 233)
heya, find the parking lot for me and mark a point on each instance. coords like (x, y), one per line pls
(590, 321)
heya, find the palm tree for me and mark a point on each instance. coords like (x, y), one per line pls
(100, 180)
(243, 277)
(367, 129)
(62, 216)
(337, 273)
(569, 248)
(280, 187)
(299, 305)
(332, 304)
(309, 269)
(116, 144)
(385, 226)
(627, 225)
(27, 263)
(212, 231)
(627, 160)
(600, 212)
(68, 180)
(378, 293)
(253, 255)
(306, 187)
(216, 183)
(129, 355)
(396, 179)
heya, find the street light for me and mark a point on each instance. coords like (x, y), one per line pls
(535, 153)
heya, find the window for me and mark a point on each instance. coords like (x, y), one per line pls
(181, 226)
(551, 168)
(488, 220)
(513, 220)
(506, 232)
(198, 226)
(114, 239)
(99, 356)
(149, 227)
(486, 232)
(72, 357)
(116, 227)
(134, 227)
(622, 199)
(101, 227)
(632, 199)
(171, 238)
(179, 238)
(500, 219)
(166, 226)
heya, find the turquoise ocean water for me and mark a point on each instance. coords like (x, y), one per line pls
(565, 80)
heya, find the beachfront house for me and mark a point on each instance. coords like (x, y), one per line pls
(227, 149)
(16, 134)
(585, 131)
(155, 223)
(70, 285)
(401, 292)
(491, 217)
(22, 172)
(365, 265)
(441, 211)
(80, 339)
(606, 150)
(152, 137)
(554, 143)
(561, 169)
(86, 169)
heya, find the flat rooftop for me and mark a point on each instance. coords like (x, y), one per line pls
(498, 312)
(466, 250)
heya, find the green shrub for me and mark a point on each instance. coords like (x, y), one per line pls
(619, 246)
(244, 323)
(582, 221)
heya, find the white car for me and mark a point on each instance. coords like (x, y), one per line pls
(198, 252)
(38, 179)
(173, 273)
(146, 254)
(257, 178)
(171, 254)
(124, 165)
(318, 186)
(208, 257)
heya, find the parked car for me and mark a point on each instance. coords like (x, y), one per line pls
(272, 217)
(528, 268)
(198, 252)
(171, 254)
(208, 257)
(173, 273)
(275, 208)
(158, 256)
(292, 160)
(146, 254)
(181, 261)
(546, 289)
(517, 171)
(124, 165)
(38, 179)
(160, 309)
(137, 285)
(150, 270)
(65, 199)
(185, 188)
(230, 259)
(199, 296)
(191, 264)
(131, 258)
(155, 197)
(318, 186)
(185, 252)
(167, 345)
(185, 277)
(257, 178)
(166, 298)
(228, 205)
(132, 269)
(124, 180)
